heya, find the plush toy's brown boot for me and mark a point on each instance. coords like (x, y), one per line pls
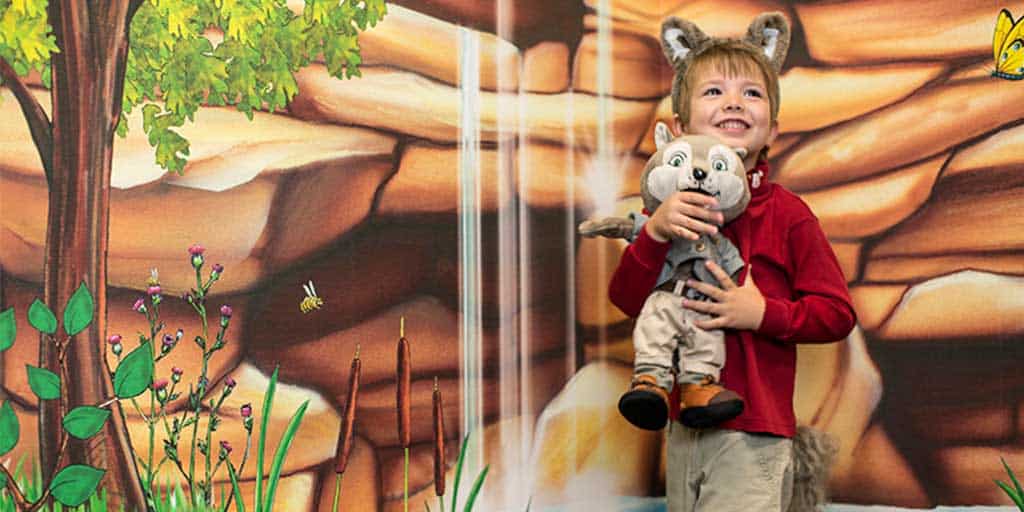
(645, 404)
(707, 404)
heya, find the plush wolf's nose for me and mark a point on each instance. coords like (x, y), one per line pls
(699, 174)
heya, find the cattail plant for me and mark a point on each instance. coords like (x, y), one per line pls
(439, 462)
(403, 398)
(347, 427)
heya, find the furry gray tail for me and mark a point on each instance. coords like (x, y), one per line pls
(814, 452)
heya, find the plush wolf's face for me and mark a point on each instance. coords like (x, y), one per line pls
(697, 163)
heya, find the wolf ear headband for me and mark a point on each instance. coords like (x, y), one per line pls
(769, 33)
(767, 37)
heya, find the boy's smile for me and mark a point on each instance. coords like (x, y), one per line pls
(735, 109)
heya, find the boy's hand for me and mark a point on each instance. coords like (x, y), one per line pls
(684, 215)
(738, 307)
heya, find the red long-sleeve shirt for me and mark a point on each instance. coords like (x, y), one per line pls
(806, 300)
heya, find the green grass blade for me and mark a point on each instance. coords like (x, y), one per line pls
(1013, 478)
(476, 488)
(1017, 499)
(282, 450)
(458, 472)
(239, 506)
(268, 402)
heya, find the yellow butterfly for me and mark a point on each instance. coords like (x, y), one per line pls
(1008, 46)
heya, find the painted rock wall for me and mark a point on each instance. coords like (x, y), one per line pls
(892, 130)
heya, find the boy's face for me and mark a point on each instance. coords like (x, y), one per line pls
(733, 108)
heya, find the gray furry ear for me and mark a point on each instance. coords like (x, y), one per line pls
(770, 32)
(680, 38)
(662, 135)
(741, 151)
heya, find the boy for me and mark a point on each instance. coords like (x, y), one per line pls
(793, 290)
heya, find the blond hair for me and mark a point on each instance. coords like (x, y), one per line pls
(731, 58)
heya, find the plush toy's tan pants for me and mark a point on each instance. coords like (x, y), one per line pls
(663, 327)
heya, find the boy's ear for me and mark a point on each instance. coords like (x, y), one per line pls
(677, 126)
(661, 135)
(679, 38)
(770, 32)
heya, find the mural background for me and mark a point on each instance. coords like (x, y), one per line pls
(445, 184)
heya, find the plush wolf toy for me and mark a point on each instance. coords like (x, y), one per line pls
(669, 347)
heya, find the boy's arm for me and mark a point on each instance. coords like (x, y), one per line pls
(637, 273)
(823, 311)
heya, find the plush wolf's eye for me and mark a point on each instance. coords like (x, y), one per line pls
(677, 160)
(719, 164)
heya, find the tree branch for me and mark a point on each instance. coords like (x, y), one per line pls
(12, 487)
(38, 122)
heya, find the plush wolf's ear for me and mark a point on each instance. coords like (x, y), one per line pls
(679, 39)
(662, 135)
(770, 32)
(741, 151)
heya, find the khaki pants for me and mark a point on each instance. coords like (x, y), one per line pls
(714, 470)
(664, 327)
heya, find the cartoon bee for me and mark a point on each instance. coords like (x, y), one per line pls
(310, 302)
(1008, 47)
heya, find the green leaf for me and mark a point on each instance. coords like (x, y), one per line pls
(1013, 478)
(75, 483)
(8, 329)
(78, 313)
(476, 489)
(268, 402)
(85, 421)
(282, 450)
(41, 318)
(458, 471)
(135, 373)
(44, 383)
(9, 430)
(1017, 500)
(239, 505)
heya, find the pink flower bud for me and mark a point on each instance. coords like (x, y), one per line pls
(114, 339)
(229, 382)
(153, 290)
(225, 310)
(218, 268)
(177, 371)
(196, 250)
(159, 384)
(246, 411)
(139, 306)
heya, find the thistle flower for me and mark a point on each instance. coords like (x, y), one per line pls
(247, 420)
(115, 344)
(139, 306)
(225, 449)
(403, 388)
(229, 382)
(160, 386)
(176, 374)
(168, 343)
(196, 251)
(225, 315)
(439, 460)
(348, 421)
(217, 270)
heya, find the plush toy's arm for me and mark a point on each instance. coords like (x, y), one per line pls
(614, 227)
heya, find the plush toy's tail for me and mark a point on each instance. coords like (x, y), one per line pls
(814, 451)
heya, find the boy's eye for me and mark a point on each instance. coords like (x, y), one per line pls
(712, 91)
(677, 160)
(754, 92)
(719, 165)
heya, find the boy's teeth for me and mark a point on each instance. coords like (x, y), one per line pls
(730, 125)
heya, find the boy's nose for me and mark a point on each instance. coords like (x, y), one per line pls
(733, 106)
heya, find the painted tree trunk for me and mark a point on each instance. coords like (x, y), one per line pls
(88, 81)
